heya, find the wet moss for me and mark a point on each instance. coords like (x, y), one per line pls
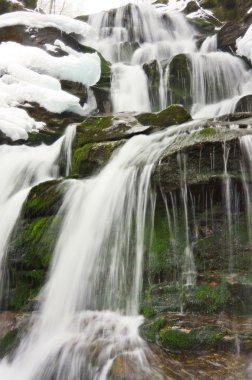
(43, 199)
(173, 115)
(9, 342)
(80, 155)
(179, 80)
(206, 337)
(208, 299)
(92, 130)
(150, 331)
(208, 132)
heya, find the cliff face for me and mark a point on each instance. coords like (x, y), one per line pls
(198, 259)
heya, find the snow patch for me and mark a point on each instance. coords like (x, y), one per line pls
(38, 20)
(75, 8)
(16, 123)
(244, 44)
(34, 77)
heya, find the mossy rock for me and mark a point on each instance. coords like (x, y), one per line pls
(173, 115)
(192, 6)
(206, 338)
(207, 299)
(32, 244)
(28, 260)
(43, 200)
(152, 72)
(9, 6)
(9, 342)
(179, 80)
(91, 158)
(205, 26)
(150, 331)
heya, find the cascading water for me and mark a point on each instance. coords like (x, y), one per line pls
(21, 168)
(135, 36)
(217, 81)
(89, 317)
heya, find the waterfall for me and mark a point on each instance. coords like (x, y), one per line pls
(92, 295)
(216, 79)
(135, 35)
(209, 45)
(21, 168)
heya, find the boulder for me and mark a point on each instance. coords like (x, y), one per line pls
(152, 72)
(244, 104)
(172, 115)
(179, 80)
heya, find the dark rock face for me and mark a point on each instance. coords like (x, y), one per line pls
(32, 245)
(244, 104)
(179, 81)
(227, 10)
(152, 72)
(228, 35)
(7, 6)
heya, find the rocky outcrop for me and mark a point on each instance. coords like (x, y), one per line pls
(32, 245)
(179, 80)
(226, 10)
(244, 104)
(172, 115)
(231, 31)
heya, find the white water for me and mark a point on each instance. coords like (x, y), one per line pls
(133, 36)
(21, 168)
(140, 34)
(215, 77)
(91, 299)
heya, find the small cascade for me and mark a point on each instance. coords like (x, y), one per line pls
(21, 168)
(246, 168)
(217, 80)
(136, 35)
(209, 45)
(227, 193)
(125, 95)
(189, 272)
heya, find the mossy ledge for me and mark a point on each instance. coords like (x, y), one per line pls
(173, 115)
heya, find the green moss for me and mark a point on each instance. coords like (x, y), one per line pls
(43, 199)
(173, 115)
(151, 330)
(208, 299)
(92, 130)
(208, 132)
(29, 257)
(206, 337)
(9, 342)
(79, 156)
(22, 295)
(179, 81)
